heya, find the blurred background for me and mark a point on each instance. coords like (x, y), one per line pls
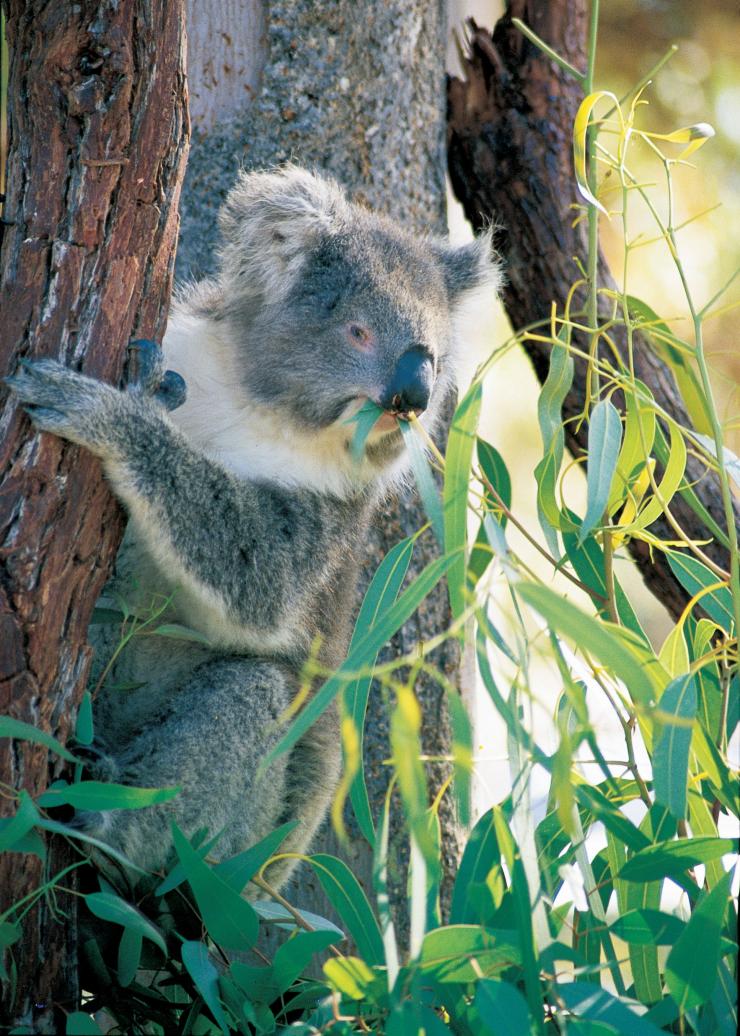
(700, 83)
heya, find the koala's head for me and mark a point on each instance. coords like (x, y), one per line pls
(332, 304)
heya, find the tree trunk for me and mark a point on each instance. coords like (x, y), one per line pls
(511, 159)
(356, 89)
(98, 142)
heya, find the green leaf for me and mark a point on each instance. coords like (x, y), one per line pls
(350, 976)
(480, 858)
(549, 414)
(424, 479)
(462, 755)
(662, 339)
(282, 918)
(587, 1000)
(239, 869)
(623, 653)
(458, 459)
(175, 631)
(99, 795)
(502, 1008)
(362, 653)
(648, 927)
(80, 1024)
(109, 907)
(230, 920)
(580, 134)
(129, 956)
(84, 725)
(671, 749)
(495, 472)
(381, 593)
(346, 896)
(464, 953)
(13, 829)
(15, 728)
(366, 418)
(693, 577)
(691, 968)
(205, 976)
(604, 440)
(639, 435)
(294, 956)
(671, 859)
(669, 484)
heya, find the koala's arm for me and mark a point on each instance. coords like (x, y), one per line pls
(249, 550)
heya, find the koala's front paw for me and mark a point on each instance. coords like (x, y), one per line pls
(68, 404)
(145, 374)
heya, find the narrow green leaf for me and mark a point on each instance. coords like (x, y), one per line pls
(175, 631)
(110, 907)
(458, 459)
(671, 749)
(346, 896)
(648, 927)
(381, 594)
(84, 726)
(350, 976)
(549, 414)
(464, 953)
(99, 795)
(668, 485)
(580, 133)
(502, 1008)
(604, 441)
(205, 976)
(80, 1024)
(15, 728)
(230, 920)
(480, 858)
(424, 479)
(129, 956)
(586, 1000)
(693, 577)
(628, 657)
(239, 869)
(13, 829)
(671, 859)
(691, 968)
(639, 435)
(362, 653)
(293, 957)
(462, 755)
(365, 420)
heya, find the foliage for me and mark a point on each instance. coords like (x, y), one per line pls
(548, 932)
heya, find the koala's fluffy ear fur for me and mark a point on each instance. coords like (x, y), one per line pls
(270, 221)
(470, 269)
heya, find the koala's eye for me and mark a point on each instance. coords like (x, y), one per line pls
(359, 336)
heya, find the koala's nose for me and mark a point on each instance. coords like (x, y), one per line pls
(411, 385)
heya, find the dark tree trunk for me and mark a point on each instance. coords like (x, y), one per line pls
(98, 142)
(511, 159)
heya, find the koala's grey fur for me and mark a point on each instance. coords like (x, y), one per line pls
(246, 503)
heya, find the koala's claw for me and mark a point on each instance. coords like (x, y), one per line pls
(144, 365)
(172, 391)
(145, 373)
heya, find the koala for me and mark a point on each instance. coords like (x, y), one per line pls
(247, 506)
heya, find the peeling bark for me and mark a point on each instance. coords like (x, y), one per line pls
(98, 142)
(511, 160)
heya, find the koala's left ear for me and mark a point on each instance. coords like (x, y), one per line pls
(471, 268)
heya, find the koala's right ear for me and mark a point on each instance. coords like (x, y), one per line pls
(268, 223)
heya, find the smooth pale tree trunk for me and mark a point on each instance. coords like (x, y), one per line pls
(98, 141)
(511, 159)
(355, 89)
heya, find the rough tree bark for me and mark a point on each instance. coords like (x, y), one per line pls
(98, 142)
(511, 159)
(356, 89)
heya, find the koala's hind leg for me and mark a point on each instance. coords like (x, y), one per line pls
(208, 737)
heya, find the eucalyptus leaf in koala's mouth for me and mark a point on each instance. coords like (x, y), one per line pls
(365, 419)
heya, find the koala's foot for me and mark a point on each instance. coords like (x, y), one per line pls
(61, 401)
(145, 373)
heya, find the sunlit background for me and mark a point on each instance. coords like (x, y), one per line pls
(700, 83)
